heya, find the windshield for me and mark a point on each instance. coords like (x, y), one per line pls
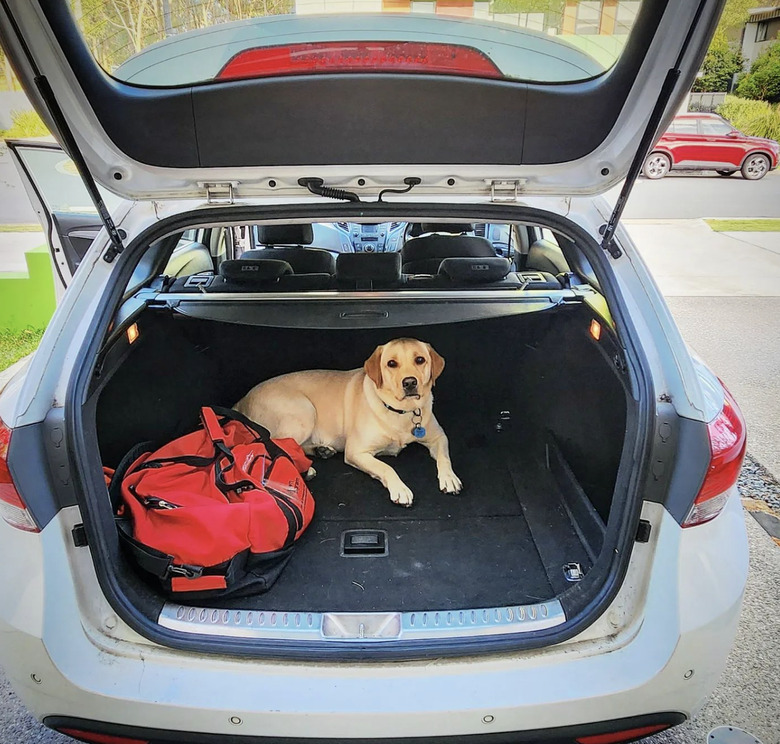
(181, 42)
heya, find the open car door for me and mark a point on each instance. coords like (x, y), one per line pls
(61, 201)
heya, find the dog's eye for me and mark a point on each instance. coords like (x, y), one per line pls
(419, 360)
(392, 363)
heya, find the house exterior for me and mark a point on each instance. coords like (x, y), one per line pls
(762, 28)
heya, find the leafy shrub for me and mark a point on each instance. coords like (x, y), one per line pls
(718, 69)
(756, 118)
(24, 124)
(763, 81)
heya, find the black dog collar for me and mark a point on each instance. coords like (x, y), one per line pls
(417, 429)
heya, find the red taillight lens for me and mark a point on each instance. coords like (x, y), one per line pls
(623, 736)
(728, 440)
(359, 56)
(12, 509)
(91, 736)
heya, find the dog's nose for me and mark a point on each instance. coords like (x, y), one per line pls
(409, 383)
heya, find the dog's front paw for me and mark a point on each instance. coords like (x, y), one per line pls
(401, 494)
(449, 482)
(324, 451)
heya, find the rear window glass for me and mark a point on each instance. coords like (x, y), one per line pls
(181, 42)
(684, 126)
(715, 126)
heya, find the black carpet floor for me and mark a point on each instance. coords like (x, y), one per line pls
(502, 541)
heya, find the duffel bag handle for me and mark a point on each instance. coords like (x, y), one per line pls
(214, 428)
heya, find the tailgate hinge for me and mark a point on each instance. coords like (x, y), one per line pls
(505, 191)
(220, 192)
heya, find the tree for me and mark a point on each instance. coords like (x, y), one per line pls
(719, 67)
(762, 83)
(732, 19)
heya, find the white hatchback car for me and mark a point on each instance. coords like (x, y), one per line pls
(584, 587)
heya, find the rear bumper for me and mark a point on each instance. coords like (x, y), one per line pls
(631, 728)
(664, 662)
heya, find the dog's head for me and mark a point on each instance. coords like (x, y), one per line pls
(404, 368)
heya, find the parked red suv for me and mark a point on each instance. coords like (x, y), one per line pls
(709, 142)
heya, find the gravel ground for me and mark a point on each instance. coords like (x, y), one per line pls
(756, 482)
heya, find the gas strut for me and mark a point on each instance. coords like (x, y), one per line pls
(70, 146)
(646, 143)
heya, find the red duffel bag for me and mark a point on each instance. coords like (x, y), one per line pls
(215, 512)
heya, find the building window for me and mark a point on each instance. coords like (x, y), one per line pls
(588, 18)
(761, 31)
(626, 15)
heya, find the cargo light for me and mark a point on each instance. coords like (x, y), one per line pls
(12, 509)
(95, 738)
(359, 56)
(728, 441)
(619, 737)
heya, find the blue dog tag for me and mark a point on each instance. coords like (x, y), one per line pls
(418, 431)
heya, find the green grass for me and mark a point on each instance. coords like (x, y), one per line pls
(20, 228)
(766, 225)
(25, 124)
(15, 345)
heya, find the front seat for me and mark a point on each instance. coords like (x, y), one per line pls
(285, 243)
(423, 255)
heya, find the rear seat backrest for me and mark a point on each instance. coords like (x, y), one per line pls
(546, 256)
(368, 270)
(302, 260)
(424, 255)
(189, 258)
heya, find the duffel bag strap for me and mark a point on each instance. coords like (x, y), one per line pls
(115, 487)
(224, 455)
(154, 561)
(263, 435)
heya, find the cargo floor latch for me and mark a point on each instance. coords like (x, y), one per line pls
(573, 572)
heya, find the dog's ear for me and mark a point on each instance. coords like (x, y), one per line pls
(437, 363)
(373, 366)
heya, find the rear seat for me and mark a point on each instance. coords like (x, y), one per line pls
(285, 243)
(252, 275)
(368, 270)
(424, 255)
(487, 273)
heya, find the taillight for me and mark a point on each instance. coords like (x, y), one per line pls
(359, 56)
(617, 737)
(12, 509)
(94, 738)
(728, 440)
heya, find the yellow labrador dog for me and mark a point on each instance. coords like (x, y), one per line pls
(376, 410)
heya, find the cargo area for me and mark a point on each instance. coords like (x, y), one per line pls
(535, 411)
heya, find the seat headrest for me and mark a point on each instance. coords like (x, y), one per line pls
(285, 234)
(453, 228)
(368, 270)
(475, 270)
(254, 271)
